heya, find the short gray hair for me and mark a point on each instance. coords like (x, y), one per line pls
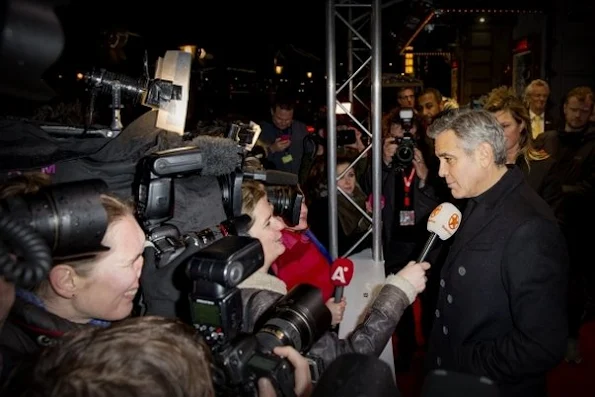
(472, 127)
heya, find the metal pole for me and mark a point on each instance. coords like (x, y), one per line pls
(331, 127)
(376, 80)
(350, 55)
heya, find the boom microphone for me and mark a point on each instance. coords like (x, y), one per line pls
(443, 222)
(220, 156)
(341, 275)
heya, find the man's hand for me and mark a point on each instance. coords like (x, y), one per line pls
(389, 148)
(303, 380)
(280, 145)
(421, 169)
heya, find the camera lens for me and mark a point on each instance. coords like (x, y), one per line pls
(405, 154)
(287, 203)
(298, 320)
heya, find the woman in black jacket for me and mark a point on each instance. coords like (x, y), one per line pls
(89, 291)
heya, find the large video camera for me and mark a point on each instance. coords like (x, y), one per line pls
(298, 319)
(64, 221)
(403, 157)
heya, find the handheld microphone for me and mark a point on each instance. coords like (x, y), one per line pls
(443, 222)
(341, 275)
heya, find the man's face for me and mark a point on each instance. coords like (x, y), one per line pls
(406, 98)
(429, 107)
(462, 171)
(282, 118)
(538, 99)
(577, 112)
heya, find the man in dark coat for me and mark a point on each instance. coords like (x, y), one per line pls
(501, 311)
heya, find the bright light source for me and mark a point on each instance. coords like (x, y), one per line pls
(175, 67)
(482, 20)
(309, 74)
(278, 69)
(339, 109)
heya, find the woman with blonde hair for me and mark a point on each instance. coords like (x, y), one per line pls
(521, 149)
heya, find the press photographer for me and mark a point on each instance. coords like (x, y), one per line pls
(92, 274)
(409, 175)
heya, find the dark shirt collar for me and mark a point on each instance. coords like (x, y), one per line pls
(511, 178)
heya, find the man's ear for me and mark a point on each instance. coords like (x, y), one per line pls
(63, 281)
(485, 154)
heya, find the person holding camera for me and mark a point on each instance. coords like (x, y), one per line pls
(92, 290)
(162, 357)
(262, 290)
(407, 186)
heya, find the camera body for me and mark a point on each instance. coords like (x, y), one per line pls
(403, 157)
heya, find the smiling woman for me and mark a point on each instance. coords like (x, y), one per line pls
(91, 291)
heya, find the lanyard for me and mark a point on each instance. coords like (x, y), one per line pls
(320, 247)
(407, 187)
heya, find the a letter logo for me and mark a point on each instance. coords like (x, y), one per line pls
(339, 275)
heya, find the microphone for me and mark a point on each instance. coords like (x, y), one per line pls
(220, 156)
(443, 222)
(341, 275)
(272, 177)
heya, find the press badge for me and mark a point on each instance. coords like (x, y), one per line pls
(407, 218)
(287, 159)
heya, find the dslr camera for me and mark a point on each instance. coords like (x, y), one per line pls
(298, 319)
(403, 157)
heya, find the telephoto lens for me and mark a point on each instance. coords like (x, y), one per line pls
(297, 320)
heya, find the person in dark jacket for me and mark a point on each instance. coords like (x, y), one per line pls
(537, 165)
(261, 290)
(79, 292)
(507, 265)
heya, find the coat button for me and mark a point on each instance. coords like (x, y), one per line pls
(445, 330)
(439, 361)
(442, 282)
(437, 312)
(449, 298)
(462, 271)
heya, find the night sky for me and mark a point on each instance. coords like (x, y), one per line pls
(242, 34)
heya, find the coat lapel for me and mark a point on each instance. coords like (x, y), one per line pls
(479, 218)
(485, 211)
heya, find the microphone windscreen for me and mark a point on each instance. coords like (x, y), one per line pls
(357, 375)
(444, 220)
(221, 156)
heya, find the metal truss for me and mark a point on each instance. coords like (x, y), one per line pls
(364, 65)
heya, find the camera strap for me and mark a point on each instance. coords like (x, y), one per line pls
(407, 181)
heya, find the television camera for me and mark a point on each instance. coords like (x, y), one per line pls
(403, 157)
(216, 260)
(63, 221)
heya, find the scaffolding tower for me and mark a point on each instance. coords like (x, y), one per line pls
(364, 64)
